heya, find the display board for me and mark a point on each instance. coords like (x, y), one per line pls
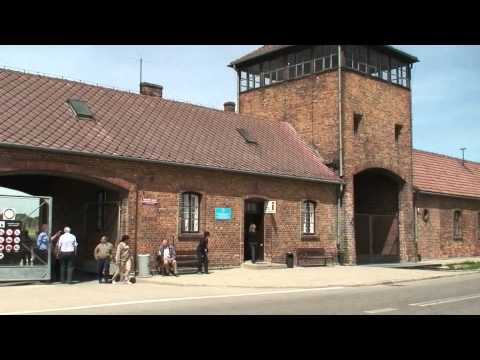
(21, 220)
(10, 241)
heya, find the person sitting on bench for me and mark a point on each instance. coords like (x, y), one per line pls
(167, 257)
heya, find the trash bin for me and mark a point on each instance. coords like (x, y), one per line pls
(289, 259)
(143, 268)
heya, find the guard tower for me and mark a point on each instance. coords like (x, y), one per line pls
(353, 105)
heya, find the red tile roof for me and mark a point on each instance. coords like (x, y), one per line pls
(443, 174)
(34, 113)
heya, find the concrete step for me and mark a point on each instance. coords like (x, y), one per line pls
(262, 265)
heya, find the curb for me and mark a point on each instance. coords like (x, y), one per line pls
(388, 282)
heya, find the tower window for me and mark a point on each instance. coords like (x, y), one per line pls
(398, 132)
(357, 119)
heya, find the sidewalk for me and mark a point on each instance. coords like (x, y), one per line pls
(444, 261)
(312, 277)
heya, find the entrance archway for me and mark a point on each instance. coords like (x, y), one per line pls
(90, 208)
(376, 196)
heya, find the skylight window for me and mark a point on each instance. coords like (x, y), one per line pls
(81, 108)
(249, 139)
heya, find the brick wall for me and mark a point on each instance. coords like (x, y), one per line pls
(310, 104)
(147, 225)
(435, 236)
(382, 105)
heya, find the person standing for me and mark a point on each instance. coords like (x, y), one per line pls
(103, 254)
(123, 260)
(43, 239)
(252, 240)
(168, 257)
(67, 249)
(26, 248)
(202, 253)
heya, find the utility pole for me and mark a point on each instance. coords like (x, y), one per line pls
(463, 155)
(141, 65)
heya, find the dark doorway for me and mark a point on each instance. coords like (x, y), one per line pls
(376, 217)
(254, 213)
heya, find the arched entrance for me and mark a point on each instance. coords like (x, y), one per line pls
(90, 207)
(376, 194)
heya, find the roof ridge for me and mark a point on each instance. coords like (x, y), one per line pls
(61, 78)
(446, 156)
(65, 80)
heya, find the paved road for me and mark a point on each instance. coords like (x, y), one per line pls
(454, 295)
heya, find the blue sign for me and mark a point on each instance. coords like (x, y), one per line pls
(223, 213)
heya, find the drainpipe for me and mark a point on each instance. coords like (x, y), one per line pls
(136, 230)
(414, 195)
(415, 226)
(340, 118)
(340, 144)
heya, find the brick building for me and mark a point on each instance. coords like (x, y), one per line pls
(353, 104)
(327, 137)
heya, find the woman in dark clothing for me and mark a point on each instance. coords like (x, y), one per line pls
(252, 240)
(202, 253)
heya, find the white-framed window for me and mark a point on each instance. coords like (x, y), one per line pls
(190, 212)
(308, 217)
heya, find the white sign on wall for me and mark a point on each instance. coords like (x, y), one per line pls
(271, 207)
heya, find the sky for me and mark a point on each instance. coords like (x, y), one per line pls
(445, 83)
(28, 206)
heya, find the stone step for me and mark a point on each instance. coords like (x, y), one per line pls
(262, 265)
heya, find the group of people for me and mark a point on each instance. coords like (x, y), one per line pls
(104, 254)
(64, 251)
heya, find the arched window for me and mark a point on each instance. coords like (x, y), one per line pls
(190, 212)
(308, 217)
(457, 224)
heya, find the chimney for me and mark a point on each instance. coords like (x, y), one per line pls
(151, 89)
(229, 106)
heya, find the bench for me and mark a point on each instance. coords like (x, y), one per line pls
(187, 262)
(313, 257)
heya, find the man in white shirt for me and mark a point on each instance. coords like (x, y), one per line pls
(168, 258)
(67, 249)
